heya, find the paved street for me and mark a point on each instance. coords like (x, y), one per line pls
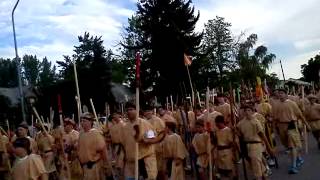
(309, 171)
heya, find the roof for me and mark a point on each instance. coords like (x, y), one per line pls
(13, 94)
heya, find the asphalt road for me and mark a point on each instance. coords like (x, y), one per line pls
(310, 169)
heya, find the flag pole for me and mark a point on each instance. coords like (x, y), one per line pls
(138, 63)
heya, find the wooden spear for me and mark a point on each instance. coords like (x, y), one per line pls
(209, 139)
(138, 63)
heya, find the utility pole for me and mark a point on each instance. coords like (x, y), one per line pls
(18, 65)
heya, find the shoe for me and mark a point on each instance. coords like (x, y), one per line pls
(293, 170)
(299, 162)
(268, 172)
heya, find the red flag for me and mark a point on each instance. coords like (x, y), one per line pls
(138, 64)
(59, 104)
(187, 60)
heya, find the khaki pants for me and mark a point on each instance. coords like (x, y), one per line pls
(94, 173)
(256, 162)
(283, 133)
(150, 165)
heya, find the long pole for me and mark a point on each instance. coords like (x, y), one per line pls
(192, 92)
(284, 79)
(77, 84)
(209, 143)
(138, 63)
(18, 64)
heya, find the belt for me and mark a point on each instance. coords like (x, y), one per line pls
(89, 164)
(47, 151)
(252, 142)
(223, 147)
(314, 120)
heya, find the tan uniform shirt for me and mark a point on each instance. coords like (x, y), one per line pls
(275, 104)
(128, 141)
(264, 108)
(3, 142)
(224, 157)
(115, 131)
(71, 138)
(250, 129)
(212, 117)
(174, 147)
(225, 110)
(261, 119)
(157, 123)
(288, 111)
(200, 144)
(192, 119)
(30, 167)
(90, 143)
(313, 116)
(168, 118)
(44, 142)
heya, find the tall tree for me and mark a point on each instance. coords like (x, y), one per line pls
(93, 67)
(165, 29)
(8, 73)
(47, 75)
(31, 65)
(256, 64)
(218, 46)
(311, 70)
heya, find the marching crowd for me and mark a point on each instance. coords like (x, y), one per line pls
(207, 142)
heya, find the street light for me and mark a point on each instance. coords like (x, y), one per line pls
(18, 65)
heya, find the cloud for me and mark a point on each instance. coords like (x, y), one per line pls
(289, 28)
(50, 27)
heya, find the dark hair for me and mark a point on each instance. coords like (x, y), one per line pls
(22, 143)
(200, 122)
(147, 108)
(282, 90)
(219, 119)
(171, 126)
(130, 105)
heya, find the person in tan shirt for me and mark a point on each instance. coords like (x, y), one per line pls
(4, 157)
(70, 140)
(287, 111)
(142, 132)
(115, 134)
(225, 144)
(251, 133)
(45, 144)
(22, 131)
(313, 117)
(27, 166)
(174, 153)
(200, 143)
(159, 127)
(225, 109)
(91, 149)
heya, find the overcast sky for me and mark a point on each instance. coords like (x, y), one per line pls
(289, 28)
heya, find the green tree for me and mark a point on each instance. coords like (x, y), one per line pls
(8, 73)
(311, 70)
(164, 31)
(256, 64)
(93, 68)
(218, 46)
(47, 75)
(31, 65)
